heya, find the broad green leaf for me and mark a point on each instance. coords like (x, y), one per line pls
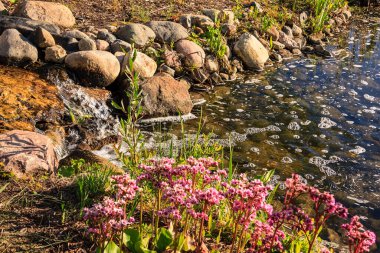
(165, 238)
(132, 236)
(139, 248)
(111, 247)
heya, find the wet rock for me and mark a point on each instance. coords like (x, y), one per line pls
(120, 46)
(26, 100)
(320, 50)
(316, 38)
(163, 96)
(296, 52)
(190, 20)
(288, 31)
(55, 54)
(276, 57)
(199, 75)
(296, 30)
(237, 64)
(273, 32)
(93, 68)
(104, 34)
(229, 29)
(25, 26)
(167, 31)
(102, 45)
(251, 51)
(213, 14)
(143, 64)
(278, 46)
(193, 55)
(76, 34)
(25, 153)
(43, 39)
(308, 49)
(211, 64)
(15, 49)
(216, 79)
(137, 34)
(303, 18)
(285, 54)
(287, 41)
(165, 69)
(86, 45)
(55, 13)
(301, 41)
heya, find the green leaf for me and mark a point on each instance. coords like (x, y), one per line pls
(110, 248)
(139, 248)
(165, 238)
(131, 237)
(3, 187)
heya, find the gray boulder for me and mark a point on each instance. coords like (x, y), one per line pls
(167, 31)
(104, 34)
(86, 45)
(138, 34)
(190, 20)
(94, 68)
(251, 51)
(213, 14)
(15, 49)
(120, 46)
(76, 34)
(25, 26)
(54, 13)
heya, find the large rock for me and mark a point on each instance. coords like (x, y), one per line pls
(25, 26)
(251, 51)
(213, 14)
(94, 68)
(26, 100)
(193, 55)
(15, 49)
(24, 153)
(55, 13)
(144, 65)
(43, 38)
(190, 20)
(120, 46)
(76, 34)
(163, 96)
(86, 45)
(137, 34)
(55, 54)
(168, 32)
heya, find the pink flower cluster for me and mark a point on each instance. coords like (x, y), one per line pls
(265, 238)
(246, 198)
(359, 239)
(109, 217)
(106, 218)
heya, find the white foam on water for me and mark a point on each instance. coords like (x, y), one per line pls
(286, 159)
(364, 82)
(369, 97)
(358, 66)
(357, 150)
(239, 110)
(326, 123)
(294, 126)
(178, 118)
(305, 123)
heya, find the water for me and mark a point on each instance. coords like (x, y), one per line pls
(313, 116)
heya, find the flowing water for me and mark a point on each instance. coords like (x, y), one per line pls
(314, 116)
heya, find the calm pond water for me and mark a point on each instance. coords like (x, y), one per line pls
(315, 116)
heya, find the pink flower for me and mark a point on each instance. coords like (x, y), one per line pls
(359, 239)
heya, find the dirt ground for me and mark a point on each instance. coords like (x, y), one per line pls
(100, 13)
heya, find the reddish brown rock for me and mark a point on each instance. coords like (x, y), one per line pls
(163, 96)
(24, 153)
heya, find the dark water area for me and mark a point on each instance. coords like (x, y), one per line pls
(319, 117)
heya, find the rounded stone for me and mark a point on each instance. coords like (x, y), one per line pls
(94, 68)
